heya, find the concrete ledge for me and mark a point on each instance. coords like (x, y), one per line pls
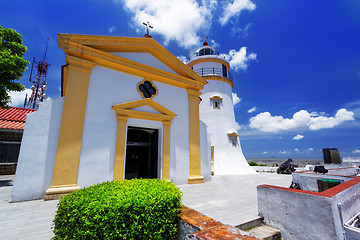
(56, 192)
(195, 179)
(207, 228)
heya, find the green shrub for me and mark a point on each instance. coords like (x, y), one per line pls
(127, 209)
(251, 163)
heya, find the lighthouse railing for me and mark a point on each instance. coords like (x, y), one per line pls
(213, 72)
(197, 54)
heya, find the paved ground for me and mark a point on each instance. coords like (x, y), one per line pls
(228, 199)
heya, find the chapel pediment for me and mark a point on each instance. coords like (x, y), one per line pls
(119, 53)
(144, 109)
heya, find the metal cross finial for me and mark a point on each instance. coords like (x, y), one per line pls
(147, 27)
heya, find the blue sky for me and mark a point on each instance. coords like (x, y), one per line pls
(296, 64)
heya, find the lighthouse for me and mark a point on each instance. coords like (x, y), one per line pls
(217, 112)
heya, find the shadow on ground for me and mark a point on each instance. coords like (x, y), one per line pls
(6, 183)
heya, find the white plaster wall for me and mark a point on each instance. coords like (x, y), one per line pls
(107, 88)
(145, 58)
(305, 216)
(176, 100)
(297, 215)
(227, 158)
(38, 151)
(351, 198)
(205, 152)
(215, 65)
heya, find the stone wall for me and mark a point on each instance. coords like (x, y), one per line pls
(309, 215)
(194, 225)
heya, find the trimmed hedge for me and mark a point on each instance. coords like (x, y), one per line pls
(127, 209)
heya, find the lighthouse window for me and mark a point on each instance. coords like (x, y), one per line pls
(233, 138)
(216, 102)
(224, 69)
(206, 51)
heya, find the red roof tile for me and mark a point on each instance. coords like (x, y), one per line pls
(14, 117)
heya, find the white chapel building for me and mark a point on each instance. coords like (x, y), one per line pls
(130, 109)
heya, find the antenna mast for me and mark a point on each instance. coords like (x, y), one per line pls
(39, 82)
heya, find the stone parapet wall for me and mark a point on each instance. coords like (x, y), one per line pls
(195, 226)
(301, 214)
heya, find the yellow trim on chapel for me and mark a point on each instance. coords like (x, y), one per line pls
(82, 53)
(124, 111)
(71, 129)
(97, 48)
(153, 85)
(194, 137)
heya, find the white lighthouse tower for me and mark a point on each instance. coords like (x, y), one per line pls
(217, 112)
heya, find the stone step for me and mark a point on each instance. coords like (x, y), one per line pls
(265, 232)
(250, 224)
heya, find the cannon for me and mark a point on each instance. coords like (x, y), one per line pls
(286, 167)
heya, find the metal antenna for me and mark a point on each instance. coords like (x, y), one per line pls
(39, 82)
(47, 41)
(147, 27)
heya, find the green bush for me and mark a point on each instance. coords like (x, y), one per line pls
(127, 209)
(251, 163)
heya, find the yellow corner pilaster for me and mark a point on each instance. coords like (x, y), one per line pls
(194, 137)
(120, 147)
(166, 151)
(72, 123)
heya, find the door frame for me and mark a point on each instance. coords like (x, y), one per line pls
(126, 115)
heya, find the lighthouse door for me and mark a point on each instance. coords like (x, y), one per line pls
(141, 153)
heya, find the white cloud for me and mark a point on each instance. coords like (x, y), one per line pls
(235, 98)
(341, 116)
(356, 151)
(178, 20)
(265, 122)
(251, 110)
(282, 152)
(298, 137)
(296, 150)
(112, 29)
(233, 9)
(18, 98)
(239, 59)
(265, 152)
(310, 149)
(214, 44)
(182, 58)
(240, 32)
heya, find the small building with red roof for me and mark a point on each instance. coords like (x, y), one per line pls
(12, 123)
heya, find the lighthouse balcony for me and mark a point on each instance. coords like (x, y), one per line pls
(205, 53)
(219, 72)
